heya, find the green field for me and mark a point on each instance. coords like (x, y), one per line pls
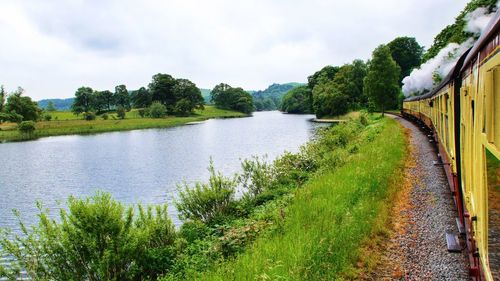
(330, 220)
(66, 123)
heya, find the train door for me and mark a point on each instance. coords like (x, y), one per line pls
(491, 172)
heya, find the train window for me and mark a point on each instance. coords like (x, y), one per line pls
(492, 106)
(493, 180)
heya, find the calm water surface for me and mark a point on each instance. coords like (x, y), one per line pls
(141, 166)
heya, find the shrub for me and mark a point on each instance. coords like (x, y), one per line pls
(257, 176)
(96, 239)
(10, 117)
(207, 202)
(142, 112)
(26, 128)
(105, 116)
(47, 117)
(89, 116)
(157, 110)
(121, 112)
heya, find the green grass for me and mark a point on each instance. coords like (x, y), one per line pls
(330, 220)
(69, 124)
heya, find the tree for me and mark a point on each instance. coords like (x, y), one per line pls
(99, 102)
(297, 100)
(381, 84)
(51, 107)
(122, 97)
(24, 106)
(107, 99)
(188, 97)
(83, 100)
(329, 100)
(322, 76)
(349, 81)
(162, 90)
(407, 53)
(217, 94)
(3, 94)
(141, 98)
(226, 97)
(121, 112)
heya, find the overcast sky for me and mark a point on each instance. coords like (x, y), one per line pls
(50, 48)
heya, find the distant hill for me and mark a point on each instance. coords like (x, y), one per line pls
(59, 104)
(206, 95)
(270, 98)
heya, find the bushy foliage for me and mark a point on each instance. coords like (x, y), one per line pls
(96, 239)
(256, 177)
(297, 100)
(22, 105)
(207, 202)
(227, 97)
(157, 110)
(329, 100)
(105, 116)
(47, 117)
(10, 117)
(121, 112)
(381, 83)
(89, 116)
(26, 128)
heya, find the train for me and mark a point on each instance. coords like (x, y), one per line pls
(462, 115)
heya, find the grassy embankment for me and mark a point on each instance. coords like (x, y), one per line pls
(331, 219)
(66, 123)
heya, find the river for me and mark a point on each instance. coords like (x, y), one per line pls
(140, 166)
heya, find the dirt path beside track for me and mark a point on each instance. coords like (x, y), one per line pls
(424, 211)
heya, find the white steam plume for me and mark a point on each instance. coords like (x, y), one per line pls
(423, 79)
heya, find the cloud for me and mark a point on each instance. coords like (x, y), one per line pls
(50, 48)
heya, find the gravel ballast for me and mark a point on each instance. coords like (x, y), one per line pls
(416, 249)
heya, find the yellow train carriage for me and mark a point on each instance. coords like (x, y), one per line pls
(463, 113)
(480, 150)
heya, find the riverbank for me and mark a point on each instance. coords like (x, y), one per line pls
(331, 219)
(69, 124)
(305, 216)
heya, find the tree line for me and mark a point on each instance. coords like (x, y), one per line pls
(374, 84)
(164, 95)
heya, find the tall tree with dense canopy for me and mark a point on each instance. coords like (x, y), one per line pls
(407, 53)
(381, 84)
(188, 97)
(349, 81)
(24, 106)
(328, 100)
(122, 97)
(162, 90)
(83, 100)
(107, 99)
(297, 100)
(226, 97)
(141, 98)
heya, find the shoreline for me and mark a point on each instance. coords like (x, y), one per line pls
(98, 126)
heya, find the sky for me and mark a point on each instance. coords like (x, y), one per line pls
(50, 48)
